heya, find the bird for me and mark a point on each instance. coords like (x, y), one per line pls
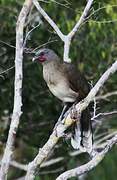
(70, 86)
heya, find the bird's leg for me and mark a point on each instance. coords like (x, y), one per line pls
(63, 113)
(61, 117)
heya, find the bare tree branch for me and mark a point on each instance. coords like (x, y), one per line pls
(18, 88)
(44, 44)
(5, 71)
(44, 164)
(104, 114)
(19, 165)
(82, 19)
(98, 142)
(29, 32)
(101, 8)
(98, 85)
(21, 178)
(91, 164)
(59, 130)
(50, 21)
(106, 96)
(7, 44)
(65, 38)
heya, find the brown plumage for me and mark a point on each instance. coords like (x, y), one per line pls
(68, 85)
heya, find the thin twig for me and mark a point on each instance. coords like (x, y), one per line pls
(40, 46)
(7, 44)
(5, 71)
(99, 9)
(104, 114)
(106, 96)
(105, 138)
(104, 21)
(29, 32)
(82, 19)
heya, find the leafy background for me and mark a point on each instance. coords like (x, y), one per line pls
(93, 49)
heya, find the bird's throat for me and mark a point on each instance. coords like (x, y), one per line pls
(51, 70)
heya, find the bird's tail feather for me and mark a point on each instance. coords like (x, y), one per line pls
(82, 137)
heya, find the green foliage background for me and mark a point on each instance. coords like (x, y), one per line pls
(93, 49)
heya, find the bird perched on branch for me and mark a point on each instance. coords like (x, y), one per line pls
(70, 86)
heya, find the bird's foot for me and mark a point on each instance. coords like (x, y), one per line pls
(73, 112)
(59, 129)
(67, 136)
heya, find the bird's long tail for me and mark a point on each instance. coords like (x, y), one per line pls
(82, 137)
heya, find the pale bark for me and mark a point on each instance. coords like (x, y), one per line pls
(65, 38)
(17, 91)
(91, 164)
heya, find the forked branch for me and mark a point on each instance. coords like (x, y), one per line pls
(65, 38)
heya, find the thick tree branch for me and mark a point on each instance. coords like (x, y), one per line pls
(99, 144)
(59, 130)
(91, 164)
(96, 88)
(65, 38)
(18, 91)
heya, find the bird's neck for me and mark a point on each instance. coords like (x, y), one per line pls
(50, 70)
(51, 65)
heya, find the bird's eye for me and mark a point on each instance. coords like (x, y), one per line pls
(42, 53)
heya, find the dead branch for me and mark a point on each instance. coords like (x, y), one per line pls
(91, 164)
(65, 38)
(104, 114)
(5, 71)
(28, 34)
(19, 165)
(18, 91)
(100, 143)
(106, 96)
(96, 88)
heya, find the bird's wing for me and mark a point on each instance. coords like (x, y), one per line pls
(77, 81)
(82, 137)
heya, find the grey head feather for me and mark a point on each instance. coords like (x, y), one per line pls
(49, 53)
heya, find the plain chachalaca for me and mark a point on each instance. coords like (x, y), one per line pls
(70, 86)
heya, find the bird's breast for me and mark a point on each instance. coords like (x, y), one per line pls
(62, 91)
(59, 85)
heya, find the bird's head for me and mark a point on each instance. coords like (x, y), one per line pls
(45, 55)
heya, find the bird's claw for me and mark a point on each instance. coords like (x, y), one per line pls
(73, 113)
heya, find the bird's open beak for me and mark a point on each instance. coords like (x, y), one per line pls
(35, 58)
